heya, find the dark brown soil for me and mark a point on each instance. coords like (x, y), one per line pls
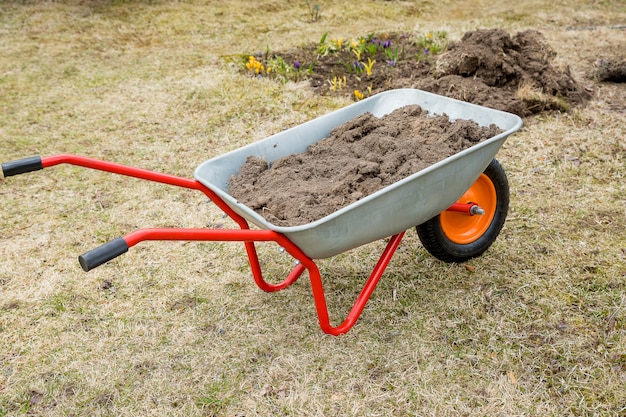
(358, 158)
(610, 70)
(491, 68)
(488, 67)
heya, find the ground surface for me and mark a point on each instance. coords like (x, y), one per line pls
(534, 327)
(357, 159)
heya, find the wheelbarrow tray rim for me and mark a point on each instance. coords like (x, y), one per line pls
(385, 212)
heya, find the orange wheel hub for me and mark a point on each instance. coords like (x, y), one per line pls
(462, 228)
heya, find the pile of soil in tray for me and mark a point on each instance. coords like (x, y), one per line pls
(357, 159)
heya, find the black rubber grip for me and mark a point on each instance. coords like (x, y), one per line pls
(102, 254)
(22, 166)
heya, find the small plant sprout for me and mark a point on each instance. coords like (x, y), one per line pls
(315, 11)
(287, 72)
(431, 44)
(299, 71)
(368, 66)
(338, 83)
(357, 47)
(254, 66)
(392, 55)
(372, 48)
(322, 47)
(356, 67)
(331, 47)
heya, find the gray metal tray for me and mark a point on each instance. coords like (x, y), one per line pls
(391, 210)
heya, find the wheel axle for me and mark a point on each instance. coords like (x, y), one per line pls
(477, 210)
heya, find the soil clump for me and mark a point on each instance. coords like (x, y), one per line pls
(510, 73)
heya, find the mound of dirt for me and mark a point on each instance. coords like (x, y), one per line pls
(515, 74)
(357, 159)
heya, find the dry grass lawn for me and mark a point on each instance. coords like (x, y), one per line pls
(535, 327)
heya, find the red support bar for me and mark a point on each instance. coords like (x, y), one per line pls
(362, 299)
(244, 235)
(462, 208)
(145, 174)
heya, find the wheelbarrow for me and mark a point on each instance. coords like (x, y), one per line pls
(458, 205)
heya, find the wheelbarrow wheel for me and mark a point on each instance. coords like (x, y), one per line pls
(457, 237)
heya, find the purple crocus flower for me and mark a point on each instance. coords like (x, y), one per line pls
(386, 44)
(296, 65)
(426, 51)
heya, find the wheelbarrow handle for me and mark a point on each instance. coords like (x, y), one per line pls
(102, 254)
(22, 166)
(119, 246)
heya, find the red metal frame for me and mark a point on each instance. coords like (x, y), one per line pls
(462, 208)
(248, 236)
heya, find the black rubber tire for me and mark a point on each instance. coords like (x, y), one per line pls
(441, 247)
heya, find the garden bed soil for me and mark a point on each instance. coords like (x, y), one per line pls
(357, 159)
(488, 67)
